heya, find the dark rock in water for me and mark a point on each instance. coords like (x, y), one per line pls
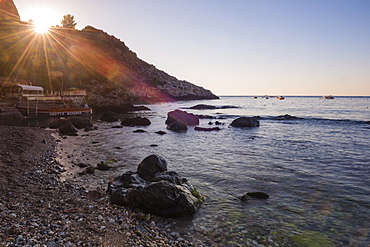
(117, 126)
(88, 128)
(285, 117)
(68, 129)
(163, 198)
(109, 117)
(182, 117)
(140, 108)
(245, 122)
(150, 166)
(166, 194)
(207, 129)
(211, 107)
(154, 145)
(228, 107)
(203, 107)
(177, 126)
(80, 122)
(139, 131)
(137, 121)
(161, 132)
(103, 166)
(218, 123)
(257, 195)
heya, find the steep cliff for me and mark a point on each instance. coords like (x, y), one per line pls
(88, 58)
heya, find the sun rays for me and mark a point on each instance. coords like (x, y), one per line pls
(58, 57)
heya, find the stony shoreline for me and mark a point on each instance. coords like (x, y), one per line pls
(37, 209)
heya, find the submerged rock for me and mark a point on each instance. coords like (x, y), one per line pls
(246, 122)
(203, 107)
(311, 239)
(207, 129)
(285, 117)
(160, 132)
(257, 195)
(211, 107)
(139, 131)
(155, 190)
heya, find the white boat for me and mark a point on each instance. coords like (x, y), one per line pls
(33, 102)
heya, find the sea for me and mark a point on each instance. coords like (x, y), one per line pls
(314, 164)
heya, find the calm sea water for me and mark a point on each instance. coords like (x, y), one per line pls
(315, 168)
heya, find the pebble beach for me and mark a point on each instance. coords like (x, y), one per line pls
(37, 209)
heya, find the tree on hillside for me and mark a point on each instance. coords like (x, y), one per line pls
(68, 21)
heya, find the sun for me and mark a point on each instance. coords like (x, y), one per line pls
(41, 27)
(42, 19)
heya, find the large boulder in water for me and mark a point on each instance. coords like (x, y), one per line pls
(246, 122)
(166, 193)
(137, 121)
(182, 117)
(178, 120)
(150, 166)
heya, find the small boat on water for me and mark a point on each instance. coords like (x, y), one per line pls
(33, 102)
(280, 98)
(328, 97)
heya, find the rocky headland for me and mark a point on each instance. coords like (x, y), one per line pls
(90, 59)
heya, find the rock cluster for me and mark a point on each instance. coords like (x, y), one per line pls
(155, 190)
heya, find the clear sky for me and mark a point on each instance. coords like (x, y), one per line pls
(237, 47)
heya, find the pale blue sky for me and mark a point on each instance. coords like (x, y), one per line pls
(246, 47)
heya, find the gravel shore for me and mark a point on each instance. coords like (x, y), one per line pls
(37, 209)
